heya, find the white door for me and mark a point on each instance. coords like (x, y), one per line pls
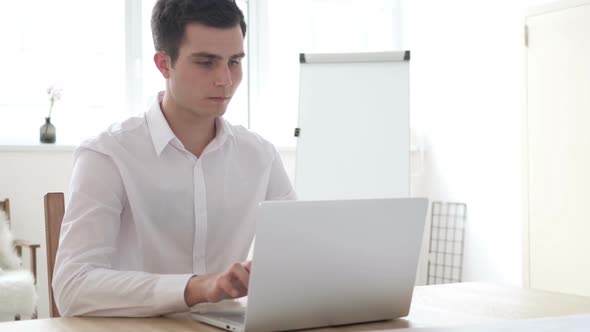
(558, 137)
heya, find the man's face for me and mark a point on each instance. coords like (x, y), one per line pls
(208, 69)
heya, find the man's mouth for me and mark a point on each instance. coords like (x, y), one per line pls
(219, 99)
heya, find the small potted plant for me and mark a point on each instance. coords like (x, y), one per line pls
(47, 131)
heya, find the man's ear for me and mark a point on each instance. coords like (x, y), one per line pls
(163, 63)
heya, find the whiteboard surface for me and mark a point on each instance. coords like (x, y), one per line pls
(354, 130)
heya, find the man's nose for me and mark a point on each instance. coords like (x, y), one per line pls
(223, 76)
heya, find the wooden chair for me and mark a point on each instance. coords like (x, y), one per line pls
(54, 214)
(19, 244)
(5, 206)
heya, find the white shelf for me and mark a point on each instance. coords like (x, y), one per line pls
(36, 147)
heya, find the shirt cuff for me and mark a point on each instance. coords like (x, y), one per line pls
(169, 293)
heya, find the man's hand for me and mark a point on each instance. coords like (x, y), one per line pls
(230, 284)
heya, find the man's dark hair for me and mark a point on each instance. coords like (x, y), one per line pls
(170, 17)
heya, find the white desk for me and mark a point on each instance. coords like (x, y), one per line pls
(432, 306)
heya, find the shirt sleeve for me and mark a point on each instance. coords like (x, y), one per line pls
(279, 185)
(84, 282)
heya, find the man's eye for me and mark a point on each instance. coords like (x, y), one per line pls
(205, 63)
(234, 62)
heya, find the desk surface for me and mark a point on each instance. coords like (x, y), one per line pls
(441, 305)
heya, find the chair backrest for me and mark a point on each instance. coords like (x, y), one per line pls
(5, 207)
(54, 214)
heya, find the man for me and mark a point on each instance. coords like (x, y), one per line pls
(161, 210)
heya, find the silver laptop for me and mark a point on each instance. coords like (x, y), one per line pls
(323, 263)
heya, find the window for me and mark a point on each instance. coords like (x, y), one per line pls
(285, 28)
(44, 43)
(100, 54)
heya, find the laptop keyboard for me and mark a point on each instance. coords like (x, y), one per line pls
(228, 317)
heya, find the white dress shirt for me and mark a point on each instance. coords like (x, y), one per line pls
(144, 214)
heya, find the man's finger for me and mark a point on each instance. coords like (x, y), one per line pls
(239, 272)
(227, 287)
(248, 266)
(240, 288)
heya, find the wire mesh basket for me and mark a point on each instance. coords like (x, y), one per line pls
(447, 238)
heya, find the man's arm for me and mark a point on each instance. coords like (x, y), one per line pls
(84, 282)
(279, 185)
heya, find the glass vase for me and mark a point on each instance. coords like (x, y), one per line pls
(47, 132)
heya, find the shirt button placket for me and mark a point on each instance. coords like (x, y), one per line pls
(200, 241)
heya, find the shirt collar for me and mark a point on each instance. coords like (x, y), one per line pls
(223, 131)
(158, 126)
(162, 135)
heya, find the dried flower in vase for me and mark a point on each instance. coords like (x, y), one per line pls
(54, 95)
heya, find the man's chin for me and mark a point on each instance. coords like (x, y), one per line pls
(220, 112)
(211, 111)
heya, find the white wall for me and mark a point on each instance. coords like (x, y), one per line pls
(467, 83)
(26, 175)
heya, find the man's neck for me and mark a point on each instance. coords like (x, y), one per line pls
(194, 132)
